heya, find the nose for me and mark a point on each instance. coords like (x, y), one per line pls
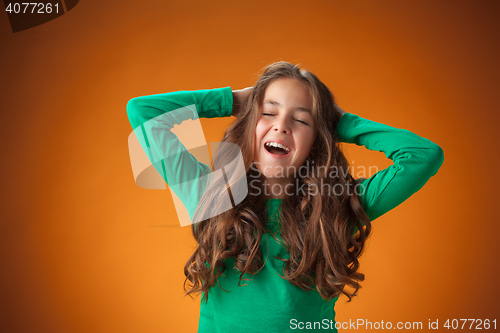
(281, 125)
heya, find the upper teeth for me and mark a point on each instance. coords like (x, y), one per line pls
(275, 144)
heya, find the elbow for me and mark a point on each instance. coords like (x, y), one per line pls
(435, 158)
(132, 106)
(133, 111)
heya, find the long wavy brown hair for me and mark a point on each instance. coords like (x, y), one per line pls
(323, 232)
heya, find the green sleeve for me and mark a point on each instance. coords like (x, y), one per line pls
(210, 103)
(416, 160)
(152, 118)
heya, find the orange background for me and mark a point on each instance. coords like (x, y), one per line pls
(84, 249)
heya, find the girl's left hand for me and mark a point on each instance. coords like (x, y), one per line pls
(339, 112)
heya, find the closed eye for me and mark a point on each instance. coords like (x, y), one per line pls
(301, 121)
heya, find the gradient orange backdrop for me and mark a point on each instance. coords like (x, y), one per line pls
(84, 249)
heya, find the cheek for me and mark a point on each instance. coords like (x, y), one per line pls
(312, 140)
(258, 135)
(259, 130)
(308, 140)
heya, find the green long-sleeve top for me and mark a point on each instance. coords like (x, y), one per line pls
(268, 303)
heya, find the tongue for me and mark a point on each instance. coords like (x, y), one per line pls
(276, 150)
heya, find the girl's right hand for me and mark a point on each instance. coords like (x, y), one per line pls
(239, 99)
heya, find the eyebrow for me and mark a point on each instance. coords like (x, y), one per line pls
(278, 104)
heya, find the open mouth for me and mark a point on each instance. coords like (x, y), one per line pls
(277, 148)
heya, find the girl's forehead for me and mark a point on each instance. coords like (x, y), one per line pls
(287, 92)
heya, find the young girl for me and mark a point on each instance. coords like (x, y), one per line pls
(277, 258)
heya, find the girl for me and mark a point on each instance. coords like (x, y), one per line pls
(278, 258)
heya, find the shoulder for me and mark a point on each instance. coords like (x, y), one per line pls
(359, 180)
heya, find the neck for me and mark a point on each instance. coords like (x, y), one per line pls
(276, 188)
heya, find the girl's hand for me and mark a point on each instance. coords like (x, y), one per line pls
(239, 99)
(339, 112)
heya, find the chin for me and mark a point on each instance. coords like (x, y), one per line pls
(273, 175)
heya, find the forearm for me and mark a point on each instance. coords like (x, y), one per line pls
(393, 142)
(416, 160)
(210, 103)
